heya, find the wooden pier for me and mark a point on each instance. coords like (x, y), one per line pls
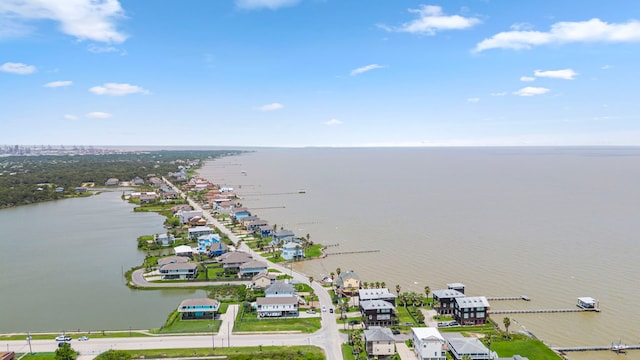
(501, 298)
(619, 348)
(538, 311)
(352, 252)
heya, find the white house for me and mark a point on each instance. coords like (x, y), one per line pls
(277, 306)
(280, 289)
(183, 250)
(185, 215)
(461, 346)
(379, 342)
(428, 344)
(292, 251)
(197, 231)
(164, 239)
(182, 271)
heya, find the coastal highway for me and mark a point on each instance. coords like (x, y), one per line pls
(328, 337)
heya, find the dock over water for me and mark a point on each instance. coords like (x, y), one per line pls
(504, 298)
(614, 347)
(538, 311)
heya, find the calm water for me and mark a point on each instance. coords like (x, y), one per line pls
(553, 224)
(62, 267)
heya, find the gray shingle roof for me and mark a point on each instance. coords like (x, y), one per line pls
(377, 333)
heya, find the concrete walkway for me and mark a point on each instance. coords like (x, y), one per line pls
(404, 352)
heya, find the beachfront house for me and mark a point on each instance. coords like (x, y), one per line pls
(231, 261)
(239, 213)
(471, 310)
(470, 347)
(456, 286)
(183, 250)
(277, 306)
(137, 181)
(197, 309)
(377, 294)
(164, 239)
(186, 215)
(280, 289)
(378, 313)
(282, 236)
(197, 231)
(292, 251)
(445, 300)
(217, 249)
(179, 271)
(251, 268)
(263, 279)
(111, 182)
(254, 225)
(205, 242)
(172, 260)
(348, 282)
(428, 343)
(379, 342)
(266, 230)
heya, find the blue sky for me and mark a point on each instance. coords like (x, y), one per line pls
(319, 72)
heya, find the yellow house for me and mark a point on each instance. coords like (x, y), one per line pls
(348, 282)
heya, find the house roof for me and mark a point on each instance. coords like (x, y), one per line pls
(376, 304)
(264, 273)
(235, 257)
(427, 333)
(179, 266)
(283, 233)
(284, 300)
(253, 264)
(199, 302)
(472, 302)
(183, 249)
(446, 294)
(463, 345)
(345, 276)
(199, 229)
(374, 294)
(280, 287)
(377, 333)
(172, 259)
(455, 285)
(291, 245)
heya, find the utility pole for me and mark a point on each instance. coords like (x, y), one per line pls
(28, 340)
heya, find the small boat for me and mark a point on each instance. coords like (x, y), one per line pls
(302, 191)
(244, 172)
(619, 348)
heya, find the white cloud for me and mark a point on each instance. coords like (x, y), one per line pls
(363, 69)
(17, 68)
(271, 107)
(503, 93)
(594, 30)
(84, 19)
(70, 117)
(269, 4)
(97, 49)
(566, 74)
(527, 78)
(56, 84)
(116, 89)
(431, 19)
(98, 115)
(531, 91)
(473, 100)
(333, 122)
(606, 67)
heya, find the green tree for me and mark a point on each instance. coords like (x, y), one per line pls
(65, 352)
(338, 271)
(427, 290)
(398, 289)
(507, 322)
(365, 285)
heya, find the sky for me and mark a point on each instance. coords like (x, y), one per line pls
(319, 72)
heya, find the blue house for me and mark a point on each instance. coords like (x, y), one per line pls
(283, 237)
(292, 251)
(205, 241)
(240, 213)
(198, 309)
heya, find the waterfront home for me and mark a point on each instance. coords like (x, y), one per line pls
(198, 309)
(263, 279)
(181, 207)
(59, 189)
(183, 250)
(172, 260)
(471, 310)
(251, 268)
(446, 299)
(255, 224)
(112, 182)
(231, 261)
(205, 241)
(222, 207)
(167, 192)
(378, 313)
(186, 215)
(292, 251)
(377, 294)
(239, 213)
(226, 188)
(197, 231)
(277, 306)
(137, 181)
(379, 342)
(178, 271)
(266, 230)
(217, 249)
(197, 221)
(348, 282)
(469, 347)
(428, 343)
(282, 236)
(456, 286)
(164, 239)
(147, 197)
(280, 289)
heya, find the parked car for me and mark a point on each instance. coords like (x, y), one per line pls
(331, 310)
(453, 323)
(395, 332)
(63, 338)
(83, 338)
(324, 308)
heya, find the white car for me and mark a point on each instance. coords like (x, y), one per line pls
(324, 309)
(63, 338)
(83, 338)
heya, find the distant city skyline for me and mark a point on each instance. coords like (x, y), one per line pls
(292, 73)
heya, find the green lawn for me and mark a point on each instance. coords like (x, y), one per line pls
(235, 353)
(39, 356)
(314, 250)
(404, 316)
(524, 346)
(251, 323)
(302, 287)
(191, 326)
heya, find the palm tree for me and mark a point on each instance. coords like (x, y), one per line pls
(398, 289)
(507, 322)
(338, 271)
(365, 285)
(377, 284)
(383, 284)
(427, 290)
(310, 280)
(332, 275)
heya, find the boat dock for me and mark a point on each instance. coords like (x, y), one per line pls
(501, 298)
(614, 347)
(352, 252)
(538, 311)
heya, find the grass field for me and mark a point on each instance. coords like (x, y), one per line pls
(234, 353)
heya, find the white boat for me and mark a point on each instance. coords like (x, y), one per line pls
(302, 191)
